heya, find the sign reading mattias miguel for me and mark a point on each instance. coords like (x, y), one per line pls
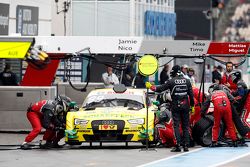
(27, 20)
(4, 19)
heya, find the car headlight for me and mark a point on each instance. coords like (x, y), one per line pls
(80, 121)
(139, 121)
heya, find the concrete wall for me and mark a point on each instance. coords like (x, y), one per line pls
(14, 102)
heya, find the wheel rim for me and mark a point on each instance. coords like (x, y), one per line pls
(207, 136)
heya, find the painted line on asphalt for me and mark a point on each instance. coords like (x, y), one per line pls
(225, 162)
(173, 156)
(211, 157)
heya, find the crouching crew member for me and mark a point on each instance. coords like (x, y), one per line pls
(222, 110)
(181, 90)
(44, 114)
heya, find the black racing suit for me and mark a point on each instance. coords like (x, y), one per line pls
(49, 118)
(56, 123)
(238, 108)
(180, 89)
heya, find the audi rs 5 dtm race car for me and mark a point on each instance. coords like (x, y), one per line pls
(107, 115)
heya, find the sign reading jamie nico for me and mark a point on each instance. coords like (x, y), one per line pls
(4, 19)
(27, 20)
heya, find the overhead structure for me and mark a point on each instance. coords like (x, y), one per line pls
(64, 47)
(139, 45)
(17, 47)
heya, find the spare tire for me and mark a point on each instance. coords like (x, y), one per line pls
(202, 131)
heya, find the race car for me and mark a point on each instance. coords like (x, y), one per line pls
(111, 115)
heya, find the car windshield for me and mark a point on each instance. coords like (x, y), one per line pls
(114, 100)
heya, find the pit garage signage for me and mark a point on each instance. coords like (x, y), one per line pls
(194, 47)
(14, 47)
(138, 45)
(228, 48)
(4, 19)
(27, 20)
(148, 65)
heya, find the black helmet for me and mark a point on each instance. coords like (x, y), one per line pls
(175, 69)
(236, 76)
(63, 103)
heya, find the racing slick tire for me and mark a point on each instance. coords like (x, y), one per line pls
(202, 131)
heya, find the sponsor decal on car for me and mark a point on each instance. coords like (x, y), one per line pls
(107, 127)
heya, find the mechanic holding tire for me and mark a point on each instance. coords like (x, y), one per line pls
(221, 98)
(181, 93)
(49, 114)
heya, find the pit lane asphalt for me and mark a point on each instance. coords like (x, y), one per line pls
(110, 154)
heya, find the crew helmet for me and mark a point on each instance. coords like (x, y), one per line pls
(63, 103)
(236, 76)
(213, 87)
(216, 86)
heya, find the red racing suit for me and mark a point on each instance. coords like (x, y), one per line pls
(41, 114)
(228, 79)
(197, 101)
(222, 110)
(246, 111)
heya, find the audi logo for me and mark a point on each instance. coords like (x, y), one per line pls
(180, 81)
(108, 122)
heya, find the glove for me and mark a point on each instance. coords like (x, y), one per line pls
(150, 86)
(192, 110)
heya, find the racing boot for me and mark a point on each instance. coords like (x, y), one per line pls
(235, 143)
(25, 146)
(214, 144)
(176, 148)
(185, 148)
(45, 144)
(242, 143)
(56, 145)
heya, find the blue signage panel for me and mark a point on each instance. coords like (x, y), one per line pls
(160, 24)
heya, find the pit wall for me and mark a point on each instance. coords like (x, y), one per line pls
(14, 101)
